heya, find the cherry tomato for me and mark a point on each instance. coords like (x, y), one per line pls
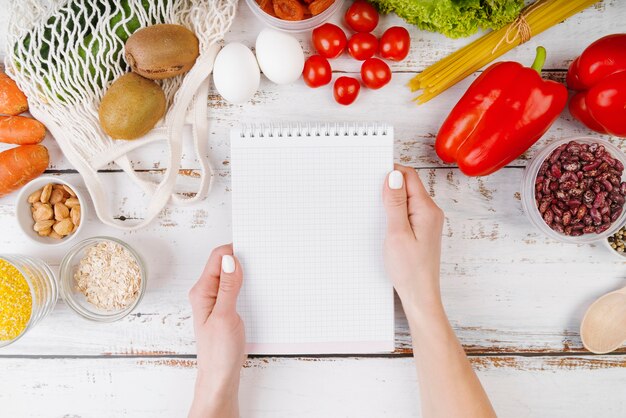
(316, 71)
(329, 40)
(346, 90)
(361, 16)
(375, 73)
(394, 44)
(362, 46)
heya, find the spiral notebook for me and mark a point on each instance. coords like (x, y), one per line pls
(308, 227)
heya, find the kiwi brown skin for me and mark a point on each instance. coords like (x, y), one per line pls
(131, 107)
(162, 51)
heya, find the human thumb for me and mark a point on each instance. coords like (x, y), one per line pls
(395, 200)
(231, 278)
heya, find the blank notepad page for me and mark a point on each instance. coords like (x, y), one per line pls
(308, 228)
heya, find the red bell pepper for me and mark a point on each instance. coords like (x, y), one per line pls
(505, 110)
(599, 76)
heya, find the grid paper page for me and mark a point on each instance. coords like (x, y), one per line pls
(308, 227)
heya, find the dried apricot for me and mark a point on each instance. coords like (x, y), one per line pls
(267, 6)
(289, 9)
(318, 6)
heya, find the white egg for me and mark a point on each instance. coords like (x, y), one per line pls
(236, 73)
(280, 56)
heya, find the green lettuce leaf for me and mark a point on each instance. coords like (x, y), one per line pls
(453, 18)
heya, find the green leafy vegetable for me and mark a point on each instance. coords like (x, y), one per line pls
(453, 18)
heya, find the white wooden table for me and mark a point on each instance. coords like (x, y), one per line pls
(515, 297)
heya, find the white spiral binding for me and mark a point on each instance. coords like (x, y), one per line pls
(311, 129)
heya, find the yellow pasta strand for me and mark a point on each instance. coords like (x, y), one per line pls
(534, 19)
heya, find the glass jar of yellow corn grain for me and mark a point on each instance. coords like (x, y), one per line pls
(28, 293)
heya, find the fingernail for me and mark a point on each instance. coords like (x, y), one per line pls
(228, 264)
(395, 180)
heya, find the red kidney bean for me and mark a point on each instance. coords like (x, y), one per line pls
(589, 229)
(609, 160)
(576, 192)
(573, 203)
(605, 210)
(603, 227)
(578, 189)
(600, 200)
(548, 217)
(555, 170)
(595, 216)
(607, 185)
(587, 156)
(616, 214)
(574, 147)
(592, 166)
(567, 218)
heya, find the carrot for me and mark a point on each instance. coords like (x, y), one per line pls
(12, 99)
(21, 130)
(20, 165)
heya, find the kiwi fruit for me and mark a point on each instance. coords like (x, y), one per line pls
(162, 51)
(131, 107)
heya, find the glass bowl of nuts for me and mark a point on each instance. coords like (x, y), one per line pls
(102, 279)
(574, 190)
(50, 211)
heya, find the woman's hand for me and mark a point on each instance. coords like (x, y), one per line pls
(220, 337)
(413, 242)
(448, 385)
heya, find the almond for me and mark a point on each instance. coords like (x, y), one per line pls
(71, 202)
(43, 225)
(61, 211)
(46, 192)
(35, 196)
(56, 196)
(69, 190)
(54, 235)
(45, 232)
(43, 213)
(64, 227)
(75, 215)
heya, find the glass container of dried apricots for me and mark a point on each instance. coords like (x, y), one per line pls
(294, 15)
(28, 293)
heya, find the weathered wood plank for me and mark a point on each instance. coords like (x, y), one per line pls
(304, 387)
(506, 287)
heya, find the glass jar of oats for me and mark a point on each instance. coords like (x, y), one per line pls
(28, 293)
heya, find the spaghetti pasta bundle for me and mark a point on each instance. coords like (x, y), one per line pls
(533, 20)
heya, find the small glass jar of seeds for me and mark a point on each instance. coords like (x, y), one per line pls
(28, 293)
(617, 243)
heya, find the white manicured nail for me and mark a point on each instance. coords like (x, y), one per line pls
(396, 180)
(228, 264)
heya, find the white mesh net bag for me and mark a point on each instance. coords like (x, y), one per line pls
(65, 53)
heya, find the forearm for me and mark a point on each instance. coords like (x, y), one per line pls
(215, 401)
(449, 387)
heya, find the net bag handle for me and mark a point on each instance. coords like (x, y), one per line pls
(195, 84)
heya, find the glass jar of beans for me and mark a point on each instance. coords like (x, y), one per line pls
(574, 190)
(28, 293)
